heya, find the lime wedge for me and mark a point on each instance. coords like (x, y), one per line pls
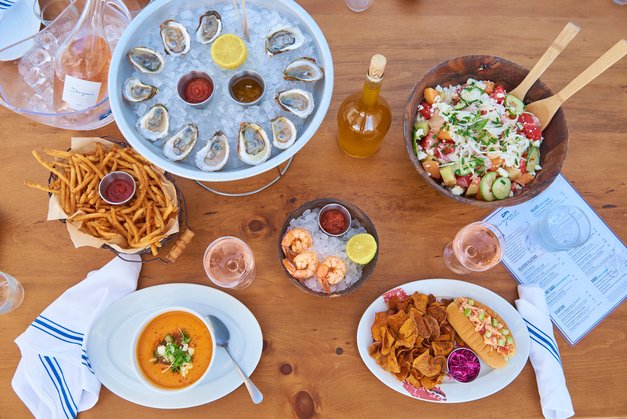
(361, 248)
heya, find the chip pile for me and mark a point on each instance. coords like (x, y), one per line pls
(413, 338)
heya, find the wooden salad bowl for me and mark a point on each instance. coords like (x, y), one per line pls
(357, 215)
(486, 67)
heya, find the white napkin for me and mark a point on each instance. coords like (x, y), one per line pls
(54, 377)
(544, 355)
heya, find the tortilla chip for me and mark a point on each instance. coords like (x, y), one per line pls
(394, 301)
(387, 342)
(414, 378)
(428, 383)
(442, 348)
(396, 321)
(420, 302)
(424, 363)
(407, 333)
(438, 312)
(389, 363)
(444, 338)
(380, 321)
(434, 327)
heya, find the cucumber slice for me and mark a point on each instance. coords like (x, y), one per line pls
(501, 188)
(533, 159)
(470, 94)
(485, 187)
(460, 105)
(514, 105)
(422, 124)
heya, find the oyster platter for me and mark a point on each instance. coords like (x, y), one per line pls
(175, 50)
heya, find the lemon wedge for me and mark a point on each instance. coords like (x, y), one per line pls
(229, 51)
(361, 248)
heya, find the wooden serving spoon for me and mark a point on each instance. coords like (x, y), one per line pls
(558, 45)
(545, 109)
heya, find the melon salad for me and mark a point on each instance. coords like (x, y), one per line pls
(477, 140)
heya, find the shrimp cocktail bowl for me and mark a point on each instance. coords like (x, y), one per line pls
(469, 160)
(328, 247)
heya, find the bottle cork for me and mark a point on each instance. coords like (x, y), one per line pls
(377, 66)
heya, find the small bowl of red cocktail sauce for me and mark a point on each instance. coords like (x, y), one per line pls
(117, 188)
(196, 88)
(463, 365)
(334, 220)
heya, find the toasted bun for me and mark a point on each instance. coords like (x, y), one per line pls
(465, 329)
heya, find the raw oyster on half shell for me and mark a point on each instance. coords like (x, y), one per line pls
(209, 27)
(136, 91)
(282, 39)
(215, 154)
(296, 101)
(176, 40)
(303, 69)
(253, 145)
(181, 144)
(155, 123)
(146, 60)
(283, 132)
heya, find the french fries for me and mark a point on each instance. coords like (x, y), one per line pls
(142, 223)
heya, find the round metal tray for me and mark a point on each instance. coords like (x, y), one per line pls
(151, 17)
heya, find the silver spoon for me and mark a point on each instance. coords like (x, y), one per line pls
(222, 336)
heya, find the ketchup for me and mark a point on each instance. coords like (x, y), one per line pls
(198, 90)
(119, 190)
(333, 221)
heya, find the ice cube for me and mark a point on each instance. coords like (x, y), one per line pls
(48, 41)
(34, 77)
(187, 15)
(38, 57)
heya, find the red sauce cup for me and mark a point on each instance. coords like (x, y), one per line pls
(337, 207)
(117, 188)
(189, 78)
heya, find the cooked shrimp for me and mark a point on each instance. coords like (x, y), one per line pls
(296, 241)
(330, 272)
(303, 266)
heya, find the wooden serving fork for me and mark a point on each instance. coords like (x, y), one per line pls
(544, 109)
(558, 45)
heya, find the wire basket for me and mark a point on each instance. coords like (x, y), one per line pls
(184, 237)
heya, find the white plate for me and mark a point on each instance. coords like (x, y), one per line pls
(490, 380)
(110, 338)
(151, 17)
(18, 23)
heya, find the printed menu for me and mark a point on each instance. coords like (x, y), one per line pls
(582, 285)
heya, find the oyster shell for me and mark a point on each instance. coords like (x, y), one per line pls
(283, 132)
(253, 146)
(181, 144)
(303, 69)
(146, 60)
(296, 101)
(155, 123)
(176, 40)
(283, 38)
(215, 154)
(209, 27)
(136, 91)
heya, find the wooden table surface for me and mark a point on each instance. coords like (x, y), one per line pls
(310, 365)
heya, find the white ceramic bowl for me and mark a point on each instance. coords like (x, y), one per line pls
(151, 17)
(135, 363)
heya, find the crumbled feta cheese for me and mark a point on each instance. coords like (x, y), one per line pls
(422, 155)
(538, 167)
(184, 348)
(161, 350)
(190, 351)
(502, 172)
(457, 190)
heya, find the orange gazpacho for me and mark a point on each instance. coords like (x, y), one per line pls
(174, 350)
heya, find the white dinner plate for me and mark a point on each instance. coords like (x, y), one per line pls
(490, 380)
(110, 339)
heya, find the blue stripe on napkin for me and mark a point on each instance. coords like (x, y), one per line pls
(550, 342)
(57, 331)
(64, 390)
(65, 383)
(63, 406)
(545, 347)
(62, 327)
(54, 336)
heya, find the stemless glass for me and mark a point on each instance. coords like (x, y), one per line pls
(229, 263)
(563, 228)
(358, 5)
(11, 293)
(477, 247)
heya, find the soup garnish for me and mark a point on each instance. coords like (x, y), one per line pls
(176, 351)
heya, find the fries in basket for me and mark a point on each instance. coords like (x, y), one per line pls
(141, 223)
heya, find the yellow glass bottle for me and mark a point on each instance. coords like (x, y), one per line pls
(365, 117)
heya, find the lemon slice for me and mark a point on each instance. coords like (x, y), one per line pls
(361, 248)
(229, 51)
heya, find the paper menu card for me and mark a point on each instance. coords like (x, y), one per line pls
(582, 285)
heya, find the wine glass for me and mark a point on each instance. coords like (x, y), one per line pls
(11, 293)
(359, 5)
(229, 263)
(477, 247)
